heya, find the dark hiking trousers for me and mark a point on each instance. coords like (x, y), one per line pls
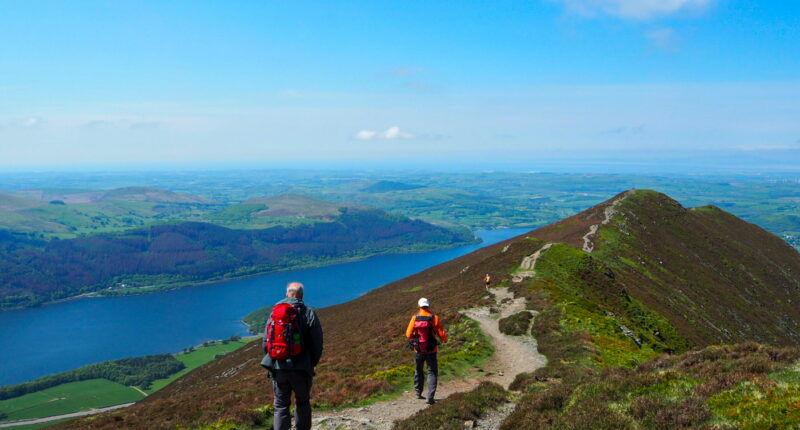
(284, 382)
(433, 373)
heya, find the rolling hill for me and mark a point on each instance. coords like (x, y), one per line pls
(629, 294)
(70, 213)
(296, 205)
(33, 271)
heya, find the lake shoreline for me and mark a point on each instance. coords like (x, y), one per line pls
(150, 289)
(170, 321)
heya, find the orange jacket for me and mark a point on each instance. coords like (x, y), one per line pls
(437, 326)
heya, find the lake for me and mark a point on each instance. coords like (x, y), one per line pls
(48, 339)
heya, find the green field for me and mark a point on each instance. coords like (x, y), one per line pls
(67, 398)
(197, 358)
(38, 426)
(97, 393)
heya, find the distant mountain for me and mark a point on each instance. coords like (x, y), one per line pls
(132, 194)
(386, 186)
(615, 286)
(70, 213)
(33, 270)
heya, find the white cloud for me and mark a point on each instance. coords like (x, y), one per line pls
(366, 134)
(635, 9)
(663, 38)
(390, 133)
(31, 122)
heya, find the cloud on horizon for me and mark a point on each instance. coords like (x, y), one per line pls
(390, 133)
(639, 10)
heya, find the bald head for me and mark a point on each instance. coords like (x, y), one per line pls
(294, 289)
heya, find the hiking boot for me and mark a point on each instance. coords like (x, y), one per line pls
(419, 396)
(430, 401)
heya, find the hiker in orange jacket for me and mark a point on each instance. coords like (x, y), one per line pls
(422, 331)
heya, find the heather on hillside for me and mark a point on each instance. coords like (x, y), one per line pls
(743, 386)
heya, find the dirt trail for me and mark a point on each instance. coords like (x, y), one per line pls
(13, 424)
(513, 355)
(527, 269)
(609, 213)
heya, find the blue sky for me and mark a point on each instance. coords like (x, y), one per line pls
(500, 83)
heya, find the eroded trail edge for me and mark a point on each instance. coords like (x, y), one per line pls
(513, 355)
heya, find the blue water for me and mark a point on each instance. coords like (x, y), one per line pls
(48, 339)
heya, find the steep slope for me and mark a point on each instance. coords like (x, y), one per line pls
(600, 307)
(715, 277)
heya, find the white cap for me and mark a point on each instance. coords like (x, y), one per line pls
(423, 303)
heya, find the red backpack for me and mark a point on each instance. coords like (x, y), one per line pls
(423, 338)
(282, 337)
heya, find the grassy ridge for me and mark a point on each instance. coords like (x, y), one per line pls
(606, 367)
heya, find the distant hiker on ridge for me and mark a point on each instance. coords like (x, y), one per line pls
(487, 280)
(421, 333)
(293, 347)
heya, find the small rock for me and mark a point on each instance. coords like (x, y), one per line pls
(469, 424)
(500, 373)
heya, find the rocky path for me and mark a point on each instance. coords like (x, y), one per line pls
(513, 355)
(609, 213)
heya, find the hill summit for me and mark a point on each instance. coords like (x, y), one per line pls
(716, 277)
(618, 291)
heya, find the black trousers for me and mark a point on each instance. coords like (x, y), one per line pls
(433, 373)
(284, 382)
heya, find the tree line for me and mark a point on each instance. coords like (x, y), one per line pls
(133, 372)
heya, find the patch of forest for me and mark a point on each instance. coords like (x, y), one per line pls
(133, 372)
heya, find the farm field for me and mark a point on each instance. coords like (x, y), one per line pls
(97, 393)
(199, 357)
(66, 398)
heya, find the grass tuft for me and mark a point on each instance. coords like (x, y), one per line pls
(452, 412)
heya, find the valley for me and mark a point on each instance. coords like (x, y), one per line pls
(598, 321)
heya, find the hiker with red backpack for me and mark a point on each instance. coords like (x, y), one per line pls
(293, 347)
(422, 333)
